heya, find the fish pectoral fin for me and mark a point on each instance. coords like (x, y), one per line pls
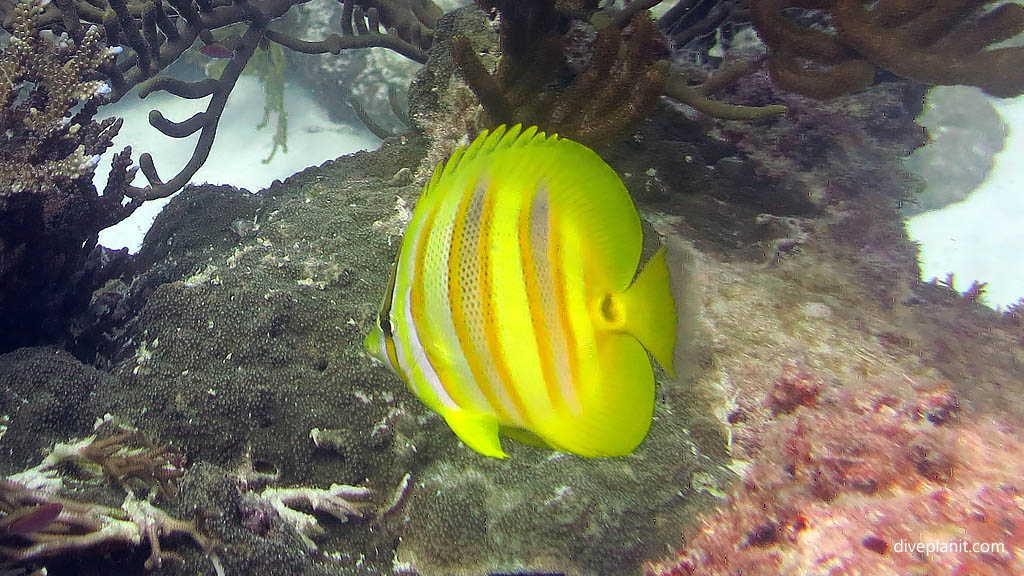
(441, 357)
(476, 430)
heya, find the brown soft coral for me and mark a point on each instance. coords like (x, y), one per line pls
(940, 42)
(616, 84)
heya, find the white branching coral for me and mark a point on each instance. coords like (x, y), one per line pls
(42, 81)
(37, 523)
(123, 457)
(340, 501)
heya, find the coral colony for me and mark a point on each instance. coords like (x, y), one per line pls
(836, 416)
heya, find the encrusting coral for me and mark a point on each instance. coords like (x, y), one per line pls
(855, 480)
(942, 42)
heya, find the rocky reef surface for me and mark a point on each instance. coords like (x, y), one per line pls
(836, 405)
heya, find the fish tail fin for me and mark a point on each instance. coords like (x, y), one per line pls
(660, 306)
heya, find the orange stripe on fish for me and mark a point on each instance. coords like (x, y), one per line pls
(490, 315)
(528, 243)
(457, 297)
(557, 269)
(418, 311)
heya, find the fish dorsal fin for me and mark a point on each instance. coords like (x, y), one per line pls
(487, 142)
(586, 192)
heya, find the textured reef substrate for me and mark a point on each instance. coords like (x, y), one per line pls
(831, 393)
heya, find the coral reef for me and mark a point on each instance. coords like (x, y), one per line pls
(944, 42)
(154, 34)
(248, 342)
(52, 214)
(822, 370)
(589, 74)
(614, 69)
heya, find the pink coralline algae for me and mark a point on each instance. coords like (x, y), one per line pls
(794, 387)
(865, 481)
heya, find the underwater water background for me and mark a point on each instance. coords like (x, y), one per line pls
(978, 238)
(850, 386)
(241, 146)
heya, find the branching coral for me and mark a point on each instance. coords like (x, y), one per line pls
(941, 42)
(51, 211)
(36, 523)
(121, 458)
(44, 149)
(689, 20)
(698, 97)
(156, 33)
(619, 80)
(340, 501)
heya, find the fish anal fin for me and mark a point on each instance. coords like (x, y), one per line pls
(616, 410)
(526, 437)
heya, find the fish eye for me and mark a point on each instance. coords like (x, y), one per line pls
(385, 323)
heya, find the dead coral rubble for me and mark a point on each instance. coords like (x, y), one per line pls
(942, 42)
(124, 457)
(37, 525)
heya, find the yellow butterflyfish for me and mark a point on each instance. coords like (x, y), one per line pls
(513, 306)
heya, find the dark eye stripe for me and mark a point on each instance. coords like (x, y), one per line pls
(384, 318)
